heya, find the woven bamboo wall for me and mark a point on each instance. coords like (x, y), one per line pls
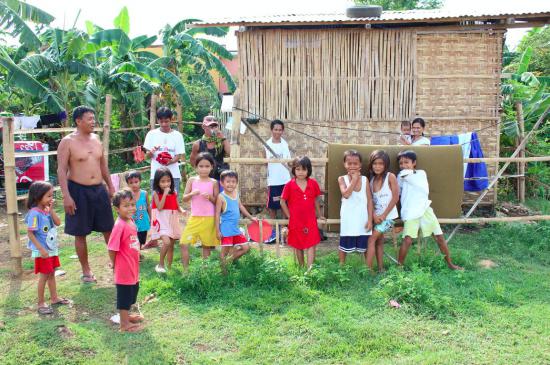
(364, 79)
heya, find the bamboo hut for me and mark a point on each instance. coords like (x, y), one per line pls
(340, 78)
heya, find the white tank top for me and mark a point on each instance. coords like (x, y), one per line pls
(382, 199)
(354, 213)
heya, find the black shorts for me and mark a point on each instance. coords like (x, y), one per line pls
(142, 237)
(126, 295)
(274, 196)
(349, 244)
(93, 210)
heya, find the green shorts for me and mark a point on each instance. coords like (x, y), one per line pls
(428, 224)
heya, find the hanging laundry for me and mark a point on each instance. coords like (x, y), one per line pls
(49, 120)
(115, 179)
(471, 148)
(139, 155)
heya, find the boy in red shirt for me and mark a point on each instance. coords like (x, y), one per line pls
(124, 253)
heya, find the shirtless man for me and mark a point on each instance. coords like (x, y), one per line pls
(81, 170)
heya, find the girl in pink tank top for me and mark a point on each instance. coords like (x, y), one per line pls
(202, 191)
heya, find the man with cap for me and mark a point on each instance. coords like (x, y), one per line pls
(212, 141)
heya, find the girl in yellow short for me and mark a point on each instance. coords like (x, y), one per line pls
(415, 208)
(203, 192)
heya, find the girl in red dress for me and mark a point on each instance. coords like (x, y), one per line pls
(300, 204)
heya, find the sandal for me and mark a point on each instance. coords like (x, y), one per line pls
(45, 310)
(63, 301)
(88, 278)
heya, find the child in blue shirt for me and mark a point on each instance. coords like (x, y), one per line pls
(142, 216)
(42, 222)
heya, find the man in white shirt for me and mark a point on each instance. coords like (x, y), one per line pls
(165, 146)
(277, 174)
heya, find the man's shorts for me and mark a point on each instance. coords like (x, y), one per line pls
(274, 196)
(46, 265)
(385, 226)
(234, 240)
(349, 244)
(177, 182)
(201, 229)
(93, 210)
(428, 224)
(126, 295)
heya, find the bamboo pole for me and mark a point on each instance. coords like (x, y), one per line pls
(520, 165)
(236, 132)
(107, 126)
(49, 130)
(501, 171)
(11, 196)
(261, 243)
(153, 112)
(179, 116)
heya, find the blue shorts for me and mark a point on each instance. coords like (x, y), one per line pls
(350, 244)
(274, 193)
(385, 226)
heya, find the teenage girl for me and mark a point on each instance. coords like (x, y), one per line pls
(202, 191)
(385, 195)
(165, 215)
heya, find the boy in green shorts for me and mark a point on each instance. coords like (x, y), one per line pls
(415, 208)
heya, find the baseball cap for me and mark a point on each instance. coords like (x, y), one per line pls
(209, 120)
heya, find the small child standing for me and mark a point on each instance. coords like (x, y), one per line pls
(143, 208)
(228, 209)
(42, 222)
(415, 208)
(355, 209)
(385, 194)
(202, 191)
(277, 173)
(405, 136)
(165, 214)
(300, 204)
(123, 249)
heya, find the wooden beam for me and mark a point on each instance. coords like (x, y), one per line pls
(10, 179)
(153, 112)
(107, 126)
(49, 130)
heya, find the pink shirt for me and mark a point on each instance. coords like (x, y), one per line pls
(200, 206)
(125, 242)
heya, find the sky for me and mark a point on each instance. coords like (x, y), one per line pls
(148, 17)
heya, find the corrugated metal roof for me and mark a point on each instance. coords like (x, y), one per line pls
(428, 16)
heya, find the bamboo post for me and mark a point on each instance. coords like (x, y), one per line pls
(11, 196)
(107, 126)
(153, 112)
(521, 165)
(236, 133)
(179, 116)
(501, 171)
(277, 240)
(261, 221)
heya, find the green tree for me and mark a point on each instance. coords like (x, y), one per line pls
(538, 39)
(402, 4)
(13, 17)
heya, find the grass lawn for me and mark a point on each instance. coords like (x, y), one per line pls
(268, 311)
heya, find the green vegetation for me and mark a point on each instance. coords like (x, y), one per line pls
(269, 311)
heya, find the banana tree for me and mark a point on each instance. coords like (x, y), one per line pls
(13, 17)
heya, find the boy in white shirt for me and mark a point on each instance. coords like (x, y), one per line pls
(415, 208)
(277, 174)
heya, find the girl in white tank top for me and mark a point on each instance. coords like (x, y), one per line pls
(356, 209)
(385, 200)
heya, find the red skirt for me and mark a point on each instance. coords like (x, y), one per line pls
(46, 265)
(303, 238)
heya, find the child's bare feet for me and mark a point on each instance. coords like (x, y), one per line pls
(131, 328)
(454, 267)
(135, 318)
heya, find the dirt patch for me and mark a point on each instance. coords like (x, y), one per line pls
(487, 264)
(65, 332)
(514, 210)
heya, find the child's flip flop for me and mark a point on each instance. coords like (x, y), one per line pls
(88, 279)
(63, 301)
(45, 310)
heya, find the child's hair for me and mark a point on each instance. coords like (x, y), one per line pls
(121, 195)
(411, 155)
(351, 153)
(304, 162)
(133, 175)
(159, 174)
(276, 122)
(229, 173)
(205, 156)
(382, 155)
(419, 121)
(37, 190)
(405, 123)
(164, 112)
